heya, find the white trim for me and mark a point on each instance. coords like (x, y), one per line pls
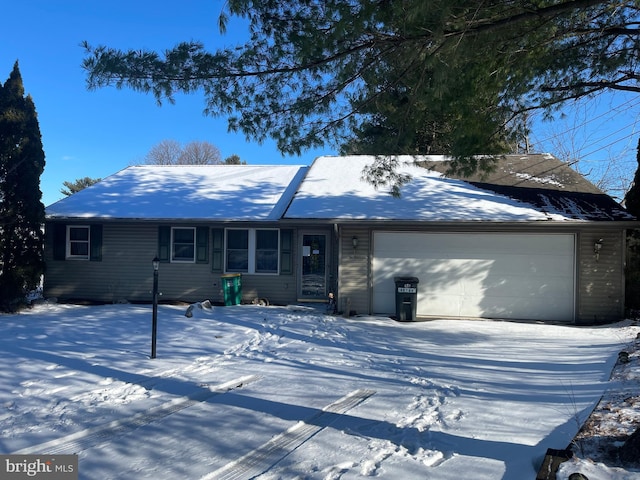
(172, 242)
(68, 254)
(251, 253)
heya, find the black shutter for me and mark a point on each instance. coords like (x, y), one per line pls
(59, 241)
(217, 253)
(202, 244)
(164, 243)
(95, 240)
(286, 252)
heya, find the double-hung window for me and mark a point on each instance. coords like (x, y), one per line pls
(237, 250)
(78, 244)
(266, 251)
(252, 250)
(183, 244)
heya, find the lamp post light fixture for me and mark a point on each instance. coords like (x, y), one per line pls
(597, 246)
(154, 325)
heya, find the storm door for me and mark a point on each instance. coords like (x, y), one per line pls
(313, 277)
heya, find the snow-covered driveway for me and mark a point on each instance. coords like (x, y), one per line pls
(287, 392)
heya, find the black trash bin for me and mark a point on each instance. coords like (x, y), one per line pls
(406, 298)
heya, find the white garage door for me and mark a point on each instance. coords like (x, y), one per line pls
(511, 276)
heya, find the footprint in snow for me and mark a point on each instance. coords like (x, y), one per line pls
(335, 472)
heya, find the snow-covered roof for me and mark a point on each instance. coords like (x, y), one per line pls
(546, 183)
(207, 192)
(334, 188)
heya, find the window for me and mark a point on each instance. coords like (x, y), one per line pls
(252, 250)
(78, 242)
(266, 251)
(183, 244)
(237, 250)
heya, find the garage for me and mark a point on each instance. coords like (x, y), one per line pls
(488, 275)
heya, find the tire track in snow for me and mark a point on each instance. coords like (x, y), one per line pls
(264, 457)
(85, 439)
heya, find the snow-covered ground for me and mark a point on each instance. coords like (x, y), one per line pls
(290, 393)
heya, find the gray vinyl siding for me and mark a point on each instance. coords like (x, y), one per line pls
(125, 273)
(600, 280)
(599, 294)
(277, 289)
(354, 273)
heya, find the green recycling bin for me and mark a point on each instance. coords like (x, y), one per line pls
(232, 288)
(406, 298)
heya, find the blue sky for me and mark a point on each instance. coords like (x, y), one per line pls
(97, 133)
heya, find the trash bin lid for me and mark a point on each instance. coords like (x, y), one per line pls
(406, 280)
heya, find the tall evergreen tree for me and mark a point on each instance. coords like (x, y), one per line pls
(21, 209)
(632, 277)
(632, 198)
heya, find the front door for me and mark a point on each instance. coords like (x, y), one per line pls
(313, 277)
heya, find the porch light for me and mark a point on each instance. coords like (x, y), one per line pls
(354, 242)
(597, 247)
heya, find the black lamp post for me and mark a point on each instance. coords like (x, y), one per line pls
(154, 329)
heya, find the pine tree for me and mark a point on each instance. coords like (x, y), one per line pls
(77, 185)
(632, 275)
(21, 209)
(234, 160)
(632, 198)
(452, 76)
